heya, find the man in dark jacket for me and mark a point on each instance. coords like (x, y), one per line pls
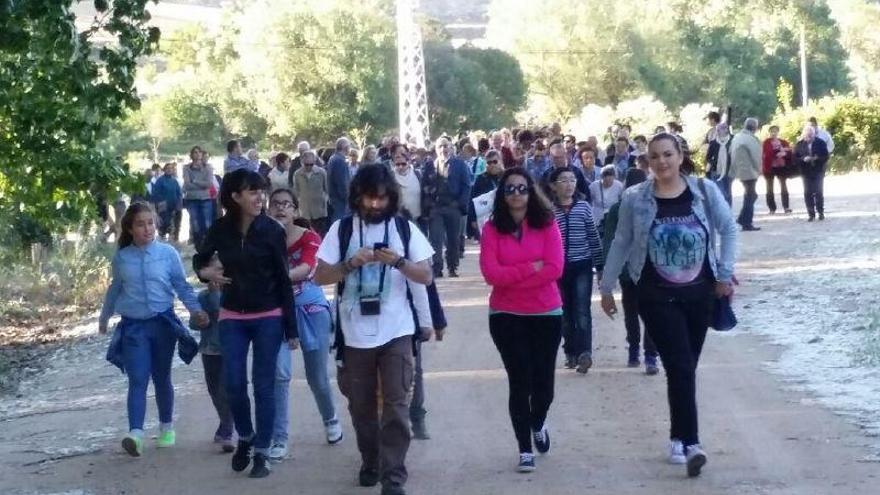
(487, 181)
(718, 160)
(811, 155)
(621, 157)
(338, 179)
(446, 185)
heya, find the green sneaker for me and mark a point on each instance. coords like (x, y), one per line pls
(166, 439)
(133, 444)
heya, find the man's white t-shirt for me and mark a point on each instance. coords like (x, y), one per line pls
(395, 317)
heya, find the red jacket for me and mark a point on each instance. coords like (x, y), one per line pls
(769, 155)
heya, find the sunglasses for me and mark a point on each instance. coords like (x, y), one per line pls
(491, 162)
(401, 164)
(520, 189)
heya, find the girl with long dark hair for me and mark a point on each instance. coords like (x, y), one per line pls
(665, 235)
(257, 308)
(521, 257)
(146, 276)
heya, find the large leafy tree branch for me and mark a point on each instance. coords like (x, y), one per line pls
(60, 89)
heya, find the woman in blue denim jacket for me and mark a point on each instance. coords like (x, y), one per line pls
(666, 235)
(146, 276)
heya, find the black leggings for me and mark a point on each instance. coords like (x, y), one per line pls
(678, 329)
(528, 347)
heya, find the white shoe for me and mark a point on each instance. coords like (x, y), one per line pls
(334, 432)
(676, 452)
(696, 459)
(278, 451)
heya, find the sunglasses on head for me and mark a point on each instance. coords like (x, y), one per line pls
(520, 189)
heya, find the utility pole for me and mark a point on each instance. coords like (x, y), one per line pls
(412, 91)
(805, 91)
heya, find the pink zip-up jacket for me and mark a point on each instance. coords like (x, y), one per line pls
(506, 263)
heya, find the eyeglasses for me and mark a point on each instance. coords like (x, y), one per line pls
(520, 189)
(281, 205)
(566, 181)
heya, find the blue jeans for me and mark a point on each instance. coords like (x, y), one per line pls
(236, 337)
(319, 381)
(148, 348)
(201, 216)
(576, 288)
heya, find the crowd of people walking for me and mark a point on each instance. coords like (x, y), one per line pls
(550, 212)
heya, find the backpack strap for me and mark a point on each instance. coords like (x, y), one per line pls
(403, 230)
(346, 227)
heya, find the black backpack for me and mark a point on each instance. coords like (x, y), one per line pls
(346, 229)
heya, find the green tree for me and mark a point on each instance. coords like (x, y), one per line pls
(59, 91)
(577, 52)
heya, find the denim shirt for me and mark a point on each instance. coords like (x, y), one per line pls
(638, 208)
(145, 281)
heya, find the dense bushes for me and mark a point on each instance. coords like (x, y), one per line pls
(854, 124)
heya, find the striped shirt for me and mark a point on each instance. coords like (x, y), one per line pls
(580, 238)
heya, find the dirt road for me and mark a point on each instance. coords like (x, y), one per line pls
(61, 434)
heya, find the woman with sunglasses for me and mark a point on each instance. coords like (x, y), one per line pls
(522, 259)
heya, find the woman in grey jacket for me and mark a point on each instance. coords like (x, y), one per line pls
(666, 234)
(198, 180)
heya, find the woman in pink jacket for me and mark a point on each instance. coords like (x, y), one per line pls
(521, 257)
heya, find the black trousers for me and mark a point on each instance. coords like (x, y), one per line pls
(678, 328)
(783, 191)
(528, 346)
(630, 298)
(445, 230)
(814, 195)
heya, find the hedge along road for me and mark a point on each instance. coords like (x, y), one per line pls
(61, 433)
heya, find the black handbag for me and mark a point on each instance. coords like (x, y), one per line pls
(721, 316)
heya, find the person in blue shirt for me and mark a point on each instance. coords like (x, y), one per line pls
(168, 198)
(146, 276)
(235, 159)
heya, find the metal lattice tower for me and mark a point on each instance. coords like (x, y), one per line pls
(412, 91)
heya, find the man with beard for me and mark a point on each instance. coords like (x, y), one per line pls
(377, 258)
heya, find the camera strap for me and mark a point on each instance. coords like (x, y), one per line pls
(361, 268)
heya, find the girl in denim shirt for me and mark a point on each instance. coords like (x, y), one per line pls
(665, 234)
(146, 276)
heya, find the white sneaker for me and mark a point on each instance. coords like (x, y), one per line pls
(696, 459)
(278, 451)
(676, 452)
(334, 432)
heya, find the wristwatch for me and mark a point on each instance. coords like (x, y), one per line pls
(399, 263)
